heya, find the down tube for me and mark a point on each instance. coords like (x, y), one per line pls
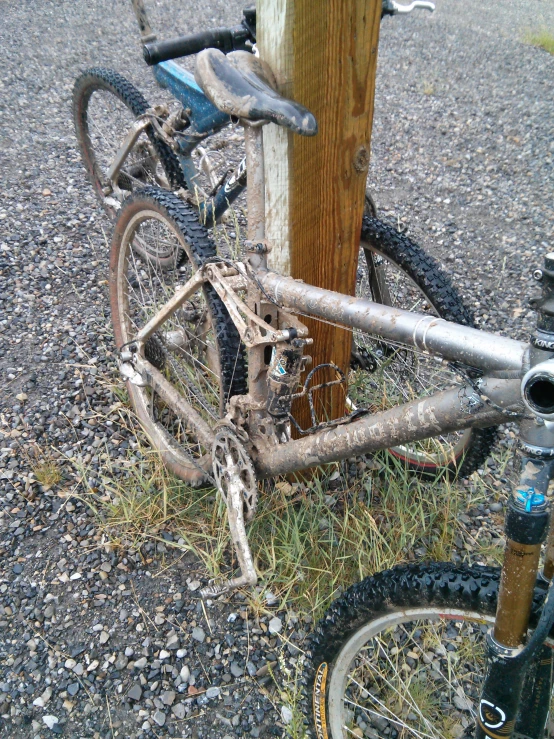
(451, 410)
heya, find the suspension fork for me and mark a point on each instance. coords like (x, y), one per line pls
(519, 666)
(512, 665)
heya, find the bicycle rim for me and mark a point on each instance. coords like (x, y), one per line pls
(185, 348)
(108, 121)
(411, 673)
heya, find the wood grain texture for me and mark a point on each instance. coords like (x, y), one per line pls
(324, 54)
(274, 40)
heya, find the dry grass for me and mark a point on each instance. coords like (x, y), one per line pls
(309, 544)
(44, 465)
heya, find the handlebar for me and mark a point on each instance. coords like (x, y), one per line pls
(391, 7)
(241, 37)
(225, 39)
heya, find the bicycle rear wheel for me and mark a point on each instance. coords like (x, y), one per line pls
(394, 270)
(402, 654)
(105, 105)
(197, 349)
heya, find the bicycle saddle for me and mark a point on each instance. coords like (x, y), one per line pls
(243, 86)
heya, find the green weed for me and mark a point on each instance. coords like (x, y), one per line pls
(543, 39)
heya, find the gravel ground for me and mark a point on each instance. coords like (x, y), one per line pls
(97, 644)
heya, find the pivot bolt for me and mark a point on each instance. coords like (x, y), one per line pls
(537, 275)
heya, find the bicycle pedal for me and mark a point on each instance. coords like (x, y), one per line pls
(220, 586)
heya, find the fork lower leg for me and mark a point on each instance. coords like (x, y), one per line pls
(526, 527)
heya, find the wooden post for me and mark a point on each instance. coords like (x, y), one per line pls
(324, 55)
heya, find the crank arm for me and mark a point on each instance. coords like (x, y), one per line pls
(235, 510)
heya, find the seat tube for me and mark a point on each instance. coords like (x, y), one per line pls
(255, 193)
(146, 34)
(257, 257)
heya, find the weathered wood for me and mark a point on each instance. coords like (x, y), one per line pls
(324, 55)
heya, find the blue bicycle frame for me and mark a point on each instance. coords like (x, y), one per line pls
(205, 120)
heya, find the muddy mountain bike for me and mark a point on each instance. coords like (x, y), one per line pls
(126, 145)
(213, 349)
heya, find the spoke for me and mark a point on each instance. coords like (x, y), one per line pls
(407, 697)
(459, 684)
(187, 362)
(109, 121)
(392, 718)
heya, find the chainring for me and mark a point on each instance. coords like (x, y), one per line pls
(232, 463)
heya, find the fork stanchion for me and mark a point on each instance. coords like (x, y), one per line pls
(526, 528)
(548, 567)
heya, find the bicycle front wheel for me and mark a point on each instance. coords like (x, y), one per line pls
(395, 271)
(105, 106)
(402, 654)
(197, 349)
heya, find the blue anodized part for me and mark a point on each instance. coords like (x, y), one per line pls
(530, 499)
(205, 118)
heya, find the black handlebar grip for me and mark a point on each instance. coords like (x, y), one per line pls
(225, 39)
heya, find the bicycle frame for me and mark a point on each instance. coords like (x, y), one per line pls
(265, 307)
(451, 410)
(205, 120)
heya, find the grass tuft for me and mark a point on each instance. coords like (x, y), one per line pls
(543, 39)
(309, 543)
(45, 467)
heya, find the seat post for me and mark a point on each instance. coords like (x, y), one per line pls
(255, 191)
(146, 33)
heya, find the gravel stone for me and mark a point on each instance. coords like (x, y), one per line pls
(286, 715)
(275, 626)
(43, 699)
(159, 717)
(236, 670)
(462, 160)
(135, 693)
(179, 710)
(198, 634)
(172, 642)
(185, 673)
(168, 698)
